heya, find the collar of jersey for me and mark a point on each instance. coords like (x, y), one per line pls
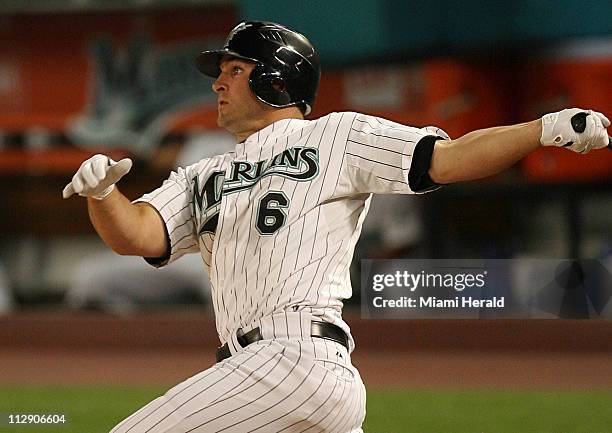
(267, 136)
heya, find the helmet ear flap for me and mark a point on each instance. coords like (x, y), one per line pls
(269, 86)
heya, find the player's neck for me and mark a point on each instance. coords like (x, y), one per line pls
(268, 119)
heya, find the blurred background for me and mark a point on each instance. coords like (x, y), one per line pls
(78, 77)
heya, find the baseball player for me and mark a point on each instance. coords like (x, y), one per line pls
(276, 221)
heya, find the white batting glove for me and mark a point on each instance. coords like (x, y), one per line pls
(97, 176)
(575, 129)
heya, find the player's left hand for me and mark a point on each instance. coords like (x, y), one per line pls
(575, 129)
(96, 177)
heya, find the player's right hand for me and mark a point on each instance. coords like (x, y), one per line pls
(575, 129)
(97, 176)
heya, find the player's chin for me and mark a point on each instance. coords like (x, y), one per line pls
(222, 120)
(227, 122)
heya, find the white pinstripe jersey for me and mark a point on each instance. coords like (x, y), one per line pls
(277, 220)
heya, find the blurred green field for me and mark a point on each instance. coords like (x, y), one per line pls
(98, 409)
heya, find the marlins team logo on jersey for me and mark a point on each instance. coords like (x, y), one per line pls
(297, 163)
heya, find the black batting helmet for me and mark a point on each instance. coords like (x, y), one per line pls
(287, 70)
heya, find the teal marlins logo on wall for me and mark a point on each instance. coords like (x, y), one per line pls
(136, 91)
(297, 163)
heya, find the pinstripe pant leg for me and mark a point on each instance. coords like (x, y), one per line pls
(267, 387)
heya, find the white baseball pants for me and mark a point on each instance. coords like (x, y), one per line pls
(282, 385)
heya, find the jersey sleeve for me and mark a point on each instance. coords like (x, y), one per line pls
(386, 157)
(173, 201)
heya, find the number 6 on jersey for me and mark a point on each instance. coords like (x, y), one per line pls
(270, 212)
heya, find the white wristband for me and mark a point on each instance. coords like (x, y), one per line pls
(104, 193)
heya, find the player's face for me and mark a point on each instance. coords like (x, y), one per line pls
(239, 111)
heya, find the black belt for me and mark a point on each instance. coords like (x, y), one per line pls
(325, 330)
